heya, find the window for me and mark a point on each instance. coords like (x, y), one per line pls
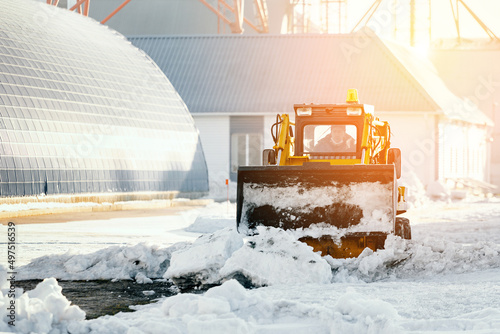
(246, 149)
(330, 138)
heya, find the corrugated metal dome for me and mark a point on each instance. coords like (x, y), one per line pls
(82, 110)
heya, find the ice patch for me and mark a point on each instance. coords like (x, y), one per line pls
(140, 278)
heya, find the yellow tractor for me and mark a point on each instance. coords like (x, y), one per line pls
(331, 176)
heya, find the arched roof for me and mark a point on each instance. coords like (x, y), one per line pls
(83, 110)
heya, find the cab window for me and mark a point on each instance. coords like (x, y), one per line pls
(340, 138)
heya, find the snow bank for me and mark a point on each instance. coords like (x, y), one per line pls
(41, 310)
(272, 257)
(437, 190)
(199, 264)
(230, 308)
(410, 259)
(482, 321)
(117, 262)
(210, 224)
(276, 257)
(415, 191)
(201, 219)
(42, 205)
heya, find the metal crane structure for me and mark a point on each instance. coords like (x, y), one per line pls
(322, 16)
(455, 9)
(331, 17)
(83, 6)
(334, 18)
(234, 17)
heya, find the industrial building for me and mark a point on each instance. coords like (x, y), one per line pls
(235, 85)
(84, 111)
(479, 81)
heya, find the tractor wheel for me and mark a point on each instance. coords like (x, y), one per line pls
(403, 228)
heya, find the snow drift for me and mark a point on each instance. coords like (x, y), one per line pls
(117, 262)
(230, 308)
(41, 310)
(272, 257)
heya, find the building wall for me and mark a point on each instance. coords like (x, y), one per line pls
(474, 73)
(415, 135)
(463, 151)
(246, 142)
(215, 140)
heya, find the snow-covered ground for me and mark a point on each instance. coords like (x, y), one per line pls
(445, 280)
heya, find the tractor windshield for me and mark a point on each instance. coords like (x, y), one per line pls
(335, 138)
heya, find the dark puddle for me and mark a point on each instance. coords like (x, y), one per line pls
(98, 298)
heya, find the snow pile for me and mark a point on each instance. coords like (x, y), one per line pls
(276, 257)
(415, 194)
(117, 262)
(41, 310)
(364, 194)
(410, 259)
(373, 200)
(230, 308)
(364, 315)
(437, 190)
(272, 257)
(199, 264)
(482, 321)
(205, 219)
(210, 224)
(219, 191)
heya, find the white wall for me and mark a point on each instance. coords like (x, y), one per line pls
(464, 152)
(475, 73)
(415, 135)
(215, 139)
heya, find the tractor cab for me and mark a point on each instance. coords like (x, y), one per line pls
(331, 131)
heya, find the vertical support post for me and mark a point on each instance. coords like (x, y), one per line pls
(86, 8)
(430, 22)
(227, 187)
(412, 22)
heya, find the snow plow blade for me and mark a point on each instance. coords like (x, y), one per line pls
(358, 200)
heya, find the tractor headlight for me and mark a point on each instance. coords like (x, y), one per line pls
(304, 111)
(354, 111)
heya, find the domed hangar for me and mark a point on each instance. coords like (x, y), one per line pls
(82, 110)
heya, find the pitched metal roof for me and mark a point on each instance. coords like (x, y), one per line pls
(269, 73)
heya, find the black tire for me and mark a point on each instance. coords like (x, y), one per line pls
(269, 157)
(403, 228)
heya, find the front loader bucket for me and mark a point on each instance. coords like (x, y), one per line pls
(353, 198)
